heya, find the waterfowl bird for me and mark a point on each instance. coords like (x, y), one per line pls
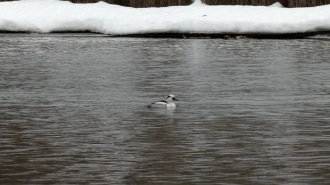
(167, 103)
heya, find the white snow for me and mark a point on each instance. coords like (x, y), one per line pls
(277, 5)
(52, 15)
(197, 3)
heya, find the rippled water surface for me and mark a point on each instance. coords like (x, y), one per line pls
(73, 110)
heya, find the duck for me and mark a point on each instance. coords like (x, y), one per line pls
(167, 103)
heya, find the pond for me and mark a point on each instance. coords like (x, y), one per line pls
(73, 110)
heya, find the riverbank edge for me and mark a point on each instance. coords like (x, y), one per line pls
(228, 36)
(179, 35)
(152, 3)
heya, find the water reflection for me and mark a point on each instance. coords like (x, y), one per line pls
(250, 112)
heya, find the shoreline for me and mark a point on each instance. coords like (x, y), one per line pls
(152, 3)
(195, 21)
(226, 36)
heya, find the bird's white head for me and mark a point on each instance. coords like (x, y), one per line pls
(171, 98)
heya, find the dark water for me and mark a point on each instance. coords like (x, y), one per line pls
(73, 110)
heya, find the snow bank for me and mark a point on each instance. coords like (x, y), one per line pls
(52, 15)
(277, 5)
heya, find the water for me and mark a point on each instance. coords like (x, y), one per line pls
(73, 110)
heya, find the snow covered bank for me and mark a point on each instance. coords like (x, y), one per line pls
(44, 16)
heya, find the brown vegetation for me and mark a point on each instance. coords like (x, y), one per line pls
(162, 3)
(140, 3)
(246, 2)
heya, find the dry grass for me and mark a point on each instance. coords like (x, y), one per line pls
(286, 3)
(140, 3)
(162, 3)
(245, 2)
(307, 3)
(158, 3)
